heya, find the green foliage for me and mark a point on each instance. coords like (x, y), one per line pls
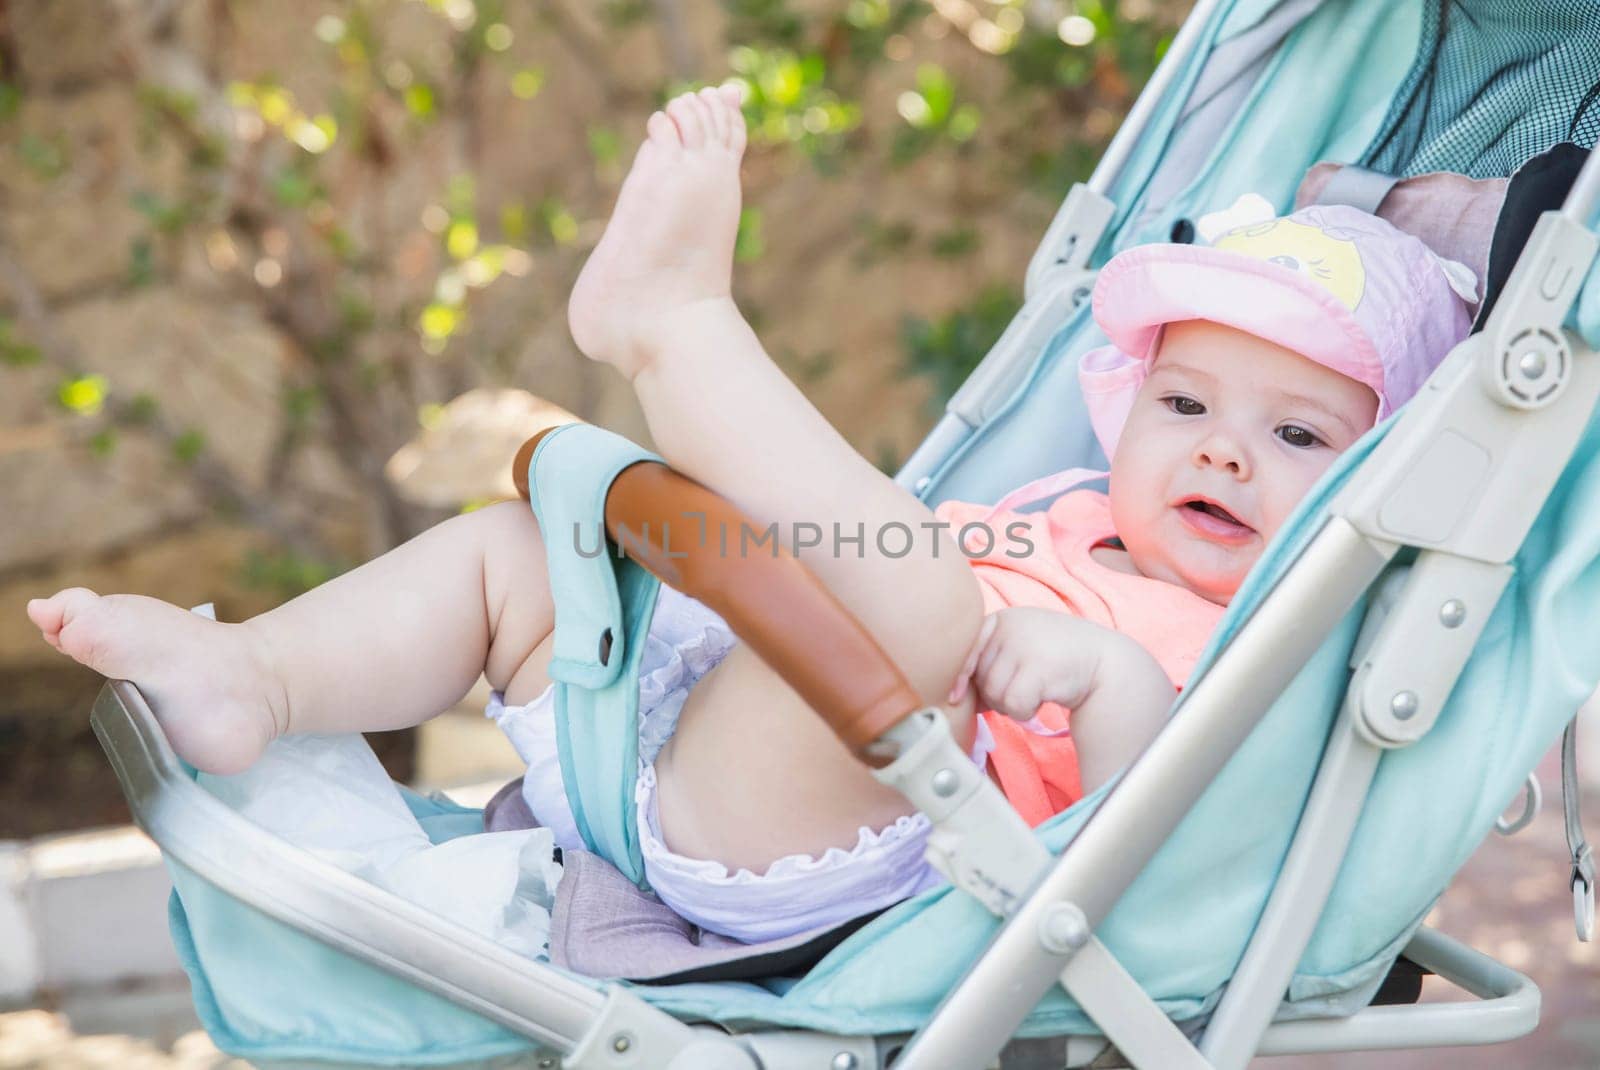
(15, 352)
(750, 243)
(956, 242)
(188, 446)
(946, 350)
(932, 115)
(141, 262)
(166, 216)
(45, 157)
(789, 102)
(770, 21)
(285, 573)
(10, 101)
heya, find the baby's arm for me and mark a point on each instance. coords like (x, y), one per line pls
(1118, 694)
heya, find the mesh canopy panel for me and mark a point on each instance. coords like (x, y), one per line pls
(1504, 80)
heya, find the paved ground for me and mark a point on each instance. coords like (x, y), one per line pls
(1511, 901)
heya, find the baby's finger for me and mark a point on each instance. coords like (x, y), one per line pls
(959, 688)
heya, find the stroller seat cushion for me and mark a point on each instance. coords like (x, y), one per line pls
(604, 926)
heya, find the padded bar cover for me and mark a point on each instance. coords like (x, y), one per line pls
(770, 600)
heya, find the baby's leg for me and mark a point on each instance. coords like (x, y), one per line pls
(751, 772)
(654, 301)
(387, 645)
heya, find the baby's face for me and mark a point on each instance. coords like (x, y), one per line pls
(1224, 438)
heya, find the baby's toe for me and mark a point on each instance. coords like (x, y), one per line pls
(716, 115)
(686, 113)
(663, 130)
(54, 613)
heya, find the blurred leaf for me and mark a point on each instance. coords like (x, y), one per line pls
(10, 101)
(141, 262)
(439, 321)
(461, 239)
(355, 313)
(168, 217)
(771, 21)
(274, 104)
(527, 82)
(867, 14)
(419, 100)
(294, 188)
(623, 13)
(300, 403)
(497, 36)
(788, 101)
(188, 446)
(103, 443)
(15, 352)
(84, 395)
(957, 241)
(141, 409)
(514, 221)
(604, 145)
(286, 573)
(749, 244)
(947, 350)
(883, 239)
(563, 226)
(45, 157)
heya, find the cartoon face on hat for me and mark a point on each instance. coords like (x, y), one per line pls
(1334, 284)
(1323, 257)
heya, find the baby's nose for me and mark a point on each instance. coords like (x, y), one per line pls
(1220, 451)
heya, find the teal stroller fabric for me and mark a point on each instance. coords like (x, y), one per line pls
(603, 604)
(1179, 930)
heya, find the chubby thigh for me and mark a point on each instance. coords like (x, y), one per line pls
(752, 774)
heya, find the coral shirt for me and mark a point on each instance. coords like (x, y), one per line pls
(1042, 559)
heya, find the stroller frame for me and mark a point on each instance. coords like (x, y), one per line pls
(1504, 412)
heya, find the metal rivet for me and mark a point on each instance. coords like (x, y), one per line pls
(1063, 929)
(1532, 364)
(922, 484)
(546, 1064)
(1452, 613)
(945, 783)
(845, 1060)
(621, 1043)
(605, 646)
(1404, 705)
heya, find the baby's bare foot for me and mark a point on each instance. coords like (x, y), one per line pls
(208, 683)
(669, 245)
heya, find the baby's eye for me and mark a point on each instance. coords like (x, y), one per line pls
(1184, 406)
(1298, 437)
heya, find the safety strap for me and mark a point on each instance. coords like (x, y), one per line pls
(1358, 187)
(1045, 487)
(1582, 857)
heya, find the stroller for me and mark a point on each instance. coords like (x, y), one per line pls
(1394, 667)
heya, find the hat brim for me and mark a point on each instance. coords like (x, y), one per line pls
(1143, 289)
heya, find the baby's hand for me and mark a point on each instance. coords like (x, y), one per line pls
(1023, 658)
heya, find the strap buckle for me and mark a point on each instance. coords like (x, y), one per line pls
(1583, 893)
(1582, 857)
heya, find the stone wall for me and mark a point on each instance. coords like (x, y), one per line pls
(82, 149)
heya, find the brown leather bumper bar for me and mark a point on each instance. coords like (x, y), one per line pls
(693, 539)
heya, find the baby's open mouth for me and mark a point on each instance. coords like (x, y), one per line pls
(1212, 519)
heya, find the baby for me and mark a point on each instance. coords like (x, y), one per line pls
(1235, 375)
